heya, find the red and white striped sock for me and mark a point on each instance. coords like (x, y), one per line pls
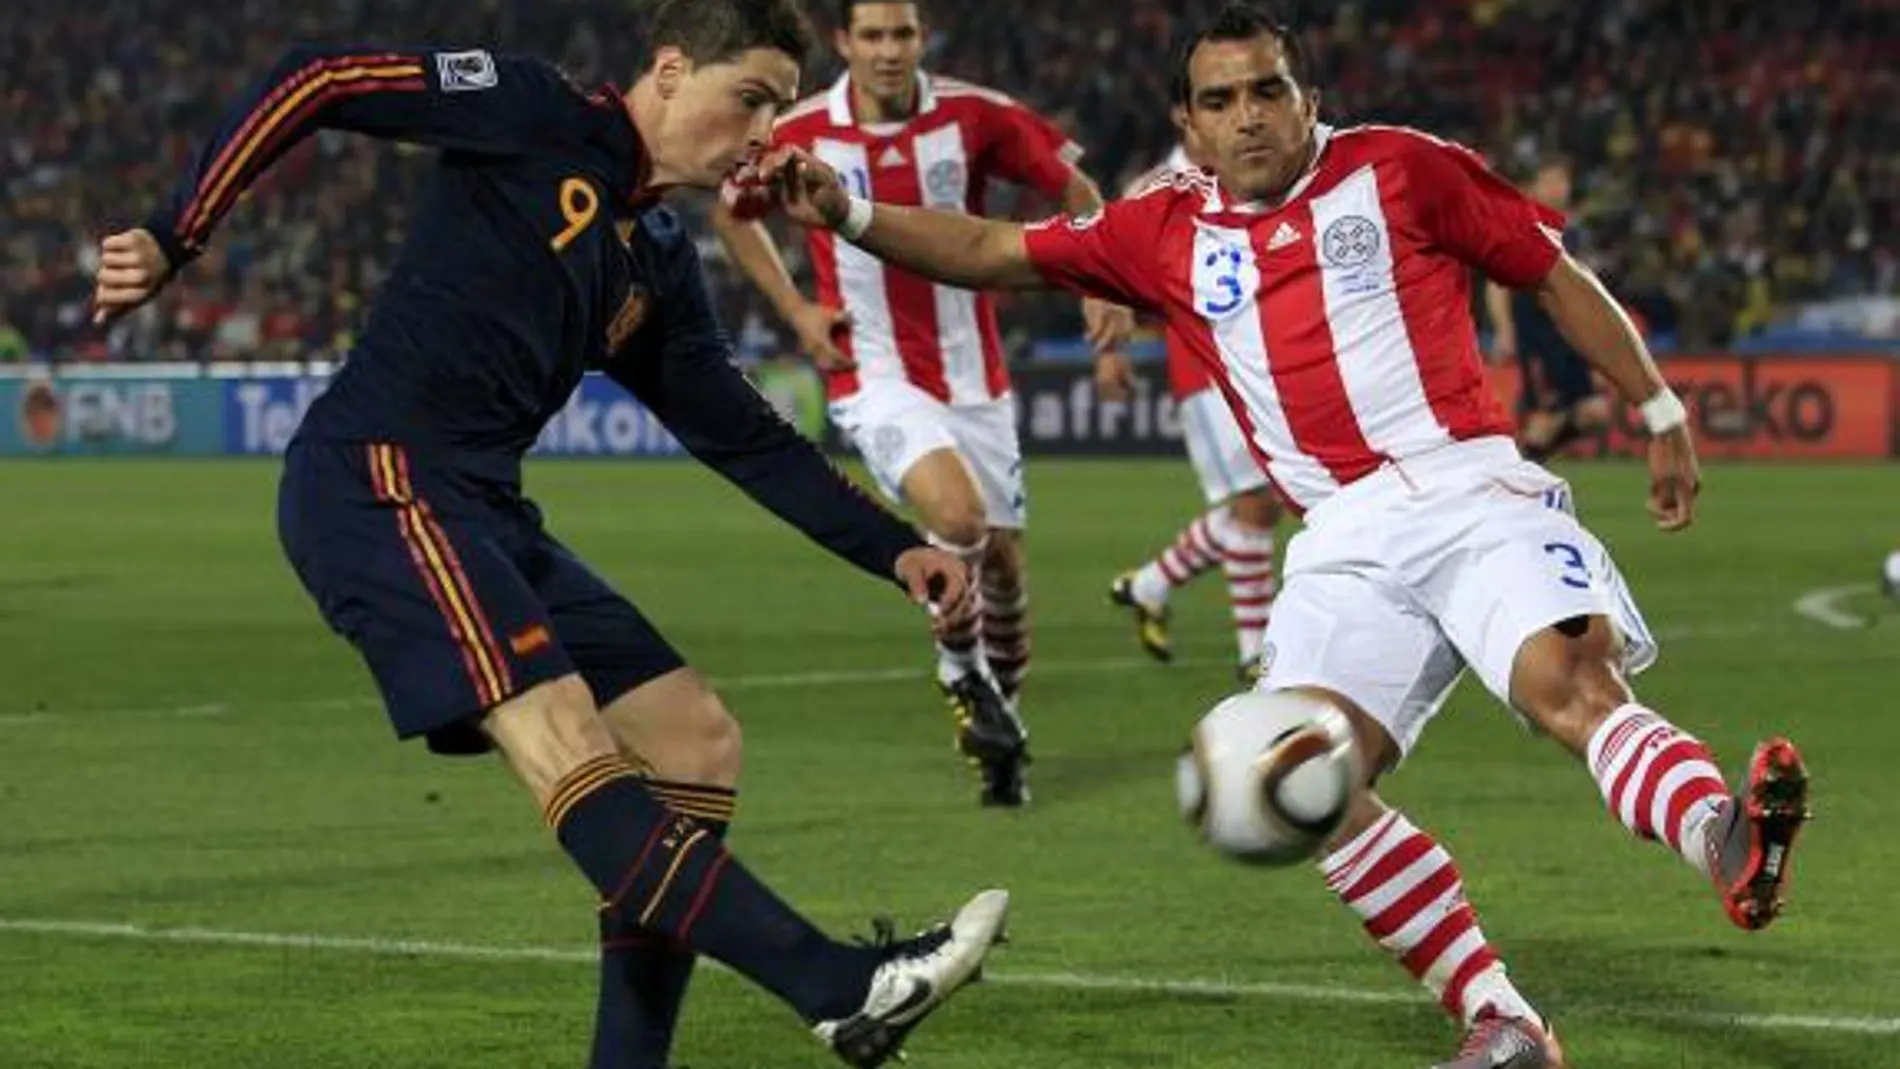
(1247, 557)
(1659, 781)
(1407, 891)
(1005, 622)
(1194, 551)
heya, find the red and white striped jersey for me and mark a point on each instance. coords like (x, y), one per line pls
(1337, 322)
(942, 339)
(1186, 375)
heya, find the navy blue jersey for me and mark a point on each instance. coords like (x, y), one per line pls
(537, 253)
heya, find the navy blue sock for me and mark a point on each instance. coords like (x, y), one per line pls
(667, 874)
(643, 976)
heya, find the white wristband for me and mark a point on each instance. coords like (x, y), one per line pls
(857, 219)
(1663, 412)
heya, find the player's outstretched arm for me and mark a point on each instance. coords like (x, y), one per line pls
(947, 247)
(1105, 325)
(469, 100)
(1595, 325)
(692, 386)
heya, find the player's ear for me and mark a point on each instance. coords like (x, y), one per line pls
(671, 68)
(841, 40)
(1178, 118)
(1312, 105)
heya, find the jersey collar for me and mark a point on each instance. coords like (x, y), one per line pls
(1217, 198)
(838, 102)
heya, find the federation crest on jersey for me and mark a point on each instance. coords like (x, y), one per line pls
(1351, 241)
(945, 184)
(462, 72)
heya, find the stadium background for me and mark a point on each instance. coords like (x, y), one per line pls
(1728, 188)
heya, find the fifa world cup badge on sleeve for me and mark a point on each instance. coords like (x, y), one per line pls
(463, 72)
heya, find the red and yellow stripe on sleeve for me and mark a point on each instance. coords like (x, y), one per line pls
(278, 118)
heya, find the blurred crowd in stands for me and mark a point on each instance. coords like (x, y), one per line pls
(1733, 158)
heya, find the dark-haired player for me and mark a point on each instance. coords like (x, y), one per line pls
(539, 252)
(1322, 276)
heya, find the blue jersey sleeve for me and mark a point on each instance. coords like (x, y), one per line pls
(681, 368)
(469, 99)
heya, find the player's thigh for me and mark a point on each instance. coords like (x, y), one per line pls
(1217, 448)
(661, 712)
(893, 425)
(412, 571)
(988, 443)
(942, 490)
(1360, 637)
(1525, 566)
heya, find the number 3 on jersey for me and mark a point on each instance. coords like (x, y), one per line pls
(579, 205)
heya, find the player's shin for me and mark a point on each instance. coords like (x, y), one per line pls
(957, 651)
(1410, 896)
(1247, 558)
(667, 874)
(1658, 780)
(1194, 551)
(644, 976)
(1005, 622)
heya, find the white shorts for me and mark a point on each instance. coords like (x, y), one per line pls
(1402, 579)
(1218, 448)
(893, 424)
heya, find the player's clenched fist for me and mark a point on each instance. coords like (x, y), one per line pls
(131, 269)
(805, 186)
(939, 580)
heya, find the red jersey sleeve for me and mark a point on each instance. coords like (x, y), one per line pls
(1111, 254)
(1480, 218)
(1026, 148)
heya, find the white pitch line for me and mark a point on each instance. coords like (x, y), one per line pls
(1819, 606)
(1066, 981)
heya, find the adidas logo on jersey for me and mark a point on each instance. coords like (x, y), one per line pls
(1282, 237)
(892, 157)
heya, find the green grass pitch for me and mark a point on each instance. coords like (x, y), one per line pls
(213, 856)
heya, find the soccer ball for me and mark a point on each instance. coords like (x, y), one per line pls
(1268, 777)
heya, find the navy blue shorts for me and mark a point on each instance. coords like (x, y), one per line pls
(451, 589)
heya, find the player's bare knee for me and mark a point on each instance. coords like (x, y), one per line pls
(961, 525)
(1567, 679)
(548, 731)
(1256, 510)
(677, 728)
(719, 744)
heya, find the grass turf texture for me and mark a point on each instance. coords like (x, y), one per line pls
(184, 746)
